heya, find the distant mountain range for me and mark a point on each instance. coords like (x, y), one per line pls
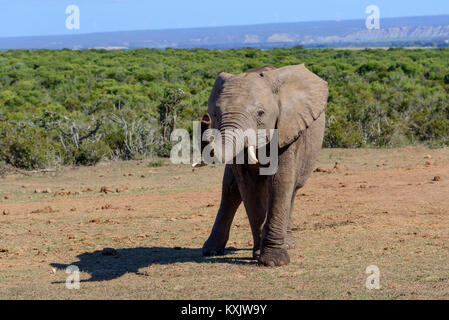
(406, 31)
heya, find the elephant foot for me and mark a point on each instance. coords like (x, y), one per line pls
(211, 250)
(289, 242)
(256, 254)
(274, 257)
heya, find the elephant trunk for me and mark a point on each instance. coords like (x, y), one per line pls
(233, 139)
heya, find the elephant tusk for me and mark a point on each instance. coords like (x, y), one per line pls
(252, 155)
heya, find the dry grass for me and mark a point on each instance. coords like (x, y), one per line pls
(382, 207)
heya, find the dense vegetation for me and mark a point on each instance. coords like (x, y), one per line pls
(77, 107)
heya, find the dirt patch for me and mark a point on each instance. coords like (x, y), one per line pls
(383, 207)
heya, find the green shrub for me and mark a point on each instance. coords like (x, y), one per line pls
(90, 153)
(26, 147)
(446, 79)
(156, 163)
(343, 134)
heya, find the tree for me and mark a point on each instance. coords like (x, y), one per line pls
(169, 110)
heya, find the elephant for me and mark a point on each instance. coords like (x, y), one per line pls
(292, 100)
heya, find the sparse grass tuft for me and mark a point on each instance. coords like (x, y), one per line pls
(156, 163)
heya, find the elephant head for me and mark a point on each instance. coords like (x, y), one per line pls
(288, 99)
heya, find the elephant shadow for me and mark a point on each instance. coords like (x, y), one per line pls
(129, 260)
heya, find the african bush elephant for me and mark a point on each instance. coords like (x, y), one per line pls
(292, 100)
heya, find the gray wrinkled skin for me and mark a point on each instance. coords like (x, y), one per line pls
(292, 100)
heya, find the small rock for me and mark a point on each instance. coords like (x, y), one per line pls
(123, 189)
(47, 209)
(48, 190)
(37, 190)
(61, 193)
(105, 189)
(427, 156)
(436, 178)
(5, 212)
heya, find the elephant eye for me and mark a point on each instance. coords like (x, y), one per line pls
(260, 113)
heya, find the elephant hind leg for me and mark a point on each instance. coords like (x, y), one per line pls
(289, 238)
(230, 201)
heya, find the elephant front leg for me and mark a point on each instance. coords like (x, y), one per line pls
(254, 191)
(256, 209)
(275, 235)
(230, 201)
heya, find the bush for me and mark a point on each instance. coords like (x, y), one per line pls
(343, 134)
(26, 147)
(90, 153)
(446, 79)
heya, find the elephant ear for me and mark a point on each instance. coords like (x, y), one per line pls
(302, 99)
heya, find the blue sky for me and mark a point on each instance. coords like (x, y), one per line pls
(47, 17)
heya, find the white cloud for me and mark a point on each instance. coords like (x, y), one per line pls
(280, 37)
(251, 38)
